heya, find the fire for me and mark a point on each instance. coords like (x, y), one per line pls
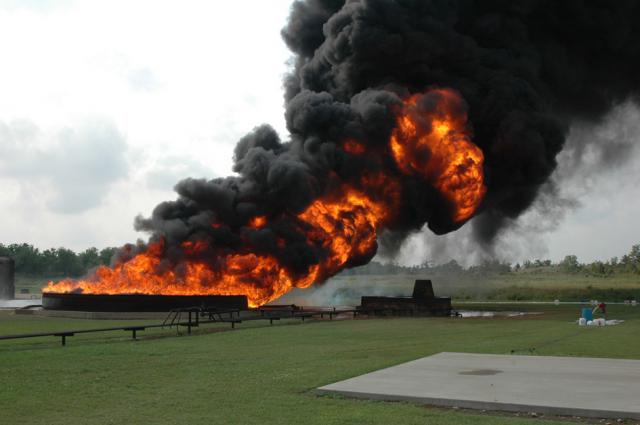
(260, 278)
(343, 225)
(353, 147)
(258, 222)
(340, 227)
(192, 248)
(346, 227)
(436, 144)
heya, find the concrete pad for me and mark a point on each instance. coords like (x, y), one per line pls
(589, 387)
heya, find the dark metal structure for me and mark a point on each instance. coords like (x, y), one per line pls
(140, 302)
(194, 317)
(423, 302)
(7, 278)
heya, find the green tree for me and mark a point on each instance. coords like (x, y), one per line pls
(570, 264)
(634, 259)
(106, 254)
(27, 258)
(89, 258)
(68, 263)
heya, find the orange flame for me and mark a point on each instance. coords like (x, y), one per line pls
(259, 277)
(258, 222)
(342, 225)
(437, 145)
(353, 147)
(346, 226)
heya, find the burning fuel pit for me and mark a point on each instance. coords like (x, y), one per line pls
(140, 302)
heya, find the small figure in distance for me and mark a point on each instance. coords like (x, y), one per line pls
(602, 307)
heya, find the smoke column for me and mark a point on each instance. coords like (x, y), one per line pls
(401, 113)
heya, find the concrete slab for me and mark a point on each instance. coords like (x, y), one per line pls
(588, 387)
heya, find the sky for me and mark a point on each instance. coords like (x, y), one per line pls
(104, 106)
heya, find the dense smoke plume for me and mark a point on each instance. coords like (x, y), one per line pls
(526, 69)
(508, 76)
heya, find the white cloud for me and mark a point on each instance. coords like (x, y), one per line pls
(41, 6)
(181, 81)
(169, 170)
(143, 79)
(71, 170)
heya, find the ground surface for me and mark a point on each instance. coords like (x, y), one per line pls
(259, 374)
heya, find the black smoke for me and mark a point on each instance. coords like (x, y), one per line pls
(526, 69)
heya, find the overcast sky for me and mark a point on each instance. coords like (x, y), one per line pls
(105, 105)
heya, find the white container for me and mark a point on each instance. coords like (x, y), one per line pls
(634, 303)
(590, 323)
(557, 302)
(582, 321)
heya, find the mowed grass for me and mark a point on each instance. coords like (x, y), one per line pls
(263, 374)
(33, 284)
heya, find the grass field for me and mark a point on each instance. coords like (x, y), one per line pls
(263, 374)
(32, 284)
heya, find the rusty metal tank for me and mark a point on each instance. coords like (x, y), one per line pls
(7, 278)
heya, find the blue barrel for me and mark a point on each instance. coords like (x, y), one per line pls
(587, 314)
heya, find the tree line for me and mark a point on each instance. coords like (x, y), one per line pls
(628, 263)
(32, 261)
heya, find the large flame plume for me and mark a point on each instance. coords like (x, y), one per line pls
(437, 145)
(342, 225)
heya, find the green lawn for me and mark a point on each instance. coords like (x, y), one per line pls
(263, 374)
(33, 284)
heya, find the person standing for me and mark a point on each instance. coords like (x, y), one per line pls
(602, 308)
